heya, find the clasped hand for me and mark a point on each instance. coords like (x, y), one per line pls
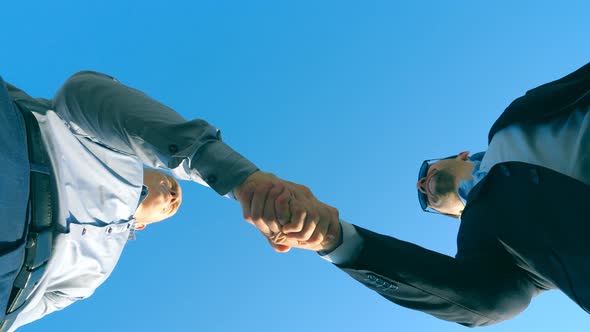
(288, 214)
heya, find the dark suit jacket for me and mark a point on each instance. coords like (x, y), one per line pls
(524, 230)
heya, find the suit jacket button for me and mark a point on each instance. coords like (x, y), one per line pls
(211, 179)
(504, 169)
(173, 148)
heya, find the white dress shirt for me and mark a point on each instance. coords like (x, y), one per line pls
(99, 134)
(562, 145)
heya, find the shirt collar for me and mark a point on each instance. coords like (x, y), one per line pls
(142, 196)
(465, 186)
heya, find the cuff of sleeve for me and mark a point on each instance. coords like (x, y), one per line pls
(349, 248)
(221, 167)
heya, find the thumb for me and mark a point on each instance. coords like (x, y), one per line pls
(279, 247)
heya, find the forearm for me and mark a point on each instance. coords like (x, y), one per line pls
(100, 108)
(470, 294)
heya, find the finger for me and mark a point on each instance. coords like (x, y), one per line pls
(258, 199)
(279, 247)
(269, 215)
(298, 215)
(310, 224)
(273, 226)
(282, 209)
(262, 227)
(319, 234)
(269, 204)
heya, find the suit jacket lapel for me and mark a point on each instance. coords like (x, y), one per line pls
(549, 99)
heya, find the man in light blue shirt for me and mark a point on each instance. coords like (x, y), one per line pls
(74, 186)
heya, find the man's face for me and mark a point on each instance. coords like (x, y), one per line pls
(441, 183)
(163, 199)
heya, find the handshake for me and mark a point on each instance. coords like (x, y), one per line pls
(288, 214)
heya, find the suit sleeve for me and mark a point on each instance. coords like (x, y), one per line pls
(472, 291)
(100, 108)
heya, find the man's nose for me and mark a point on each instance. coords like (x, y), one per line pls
(421, 185)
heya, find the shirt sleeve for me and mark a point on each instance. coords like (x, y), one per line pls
(349, 248)
(98, 107)
(50, 302)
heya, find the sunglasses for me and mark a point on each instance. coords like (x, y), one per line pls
(422, 197)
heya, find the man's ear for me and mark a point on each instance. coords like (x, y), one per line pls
(139, 227)
(463, 155)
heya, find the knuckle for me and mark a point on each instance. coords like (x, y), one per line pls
(298, 211)
(297, 208)
(269, 221)
(282, 200)
(247, 189)
(256, 216)
(261, 188)
(316, 239)
(261, 224)
(296, 227)
(335, 213)
(276, 189)
(269, 213)
(313, 217)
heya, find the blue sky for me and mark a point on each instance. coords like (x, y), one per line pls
(346, 97)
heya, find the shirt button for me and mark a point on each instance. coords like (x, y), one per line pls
(110, 230)
(83, 231)
(211, 179)
(173, 148)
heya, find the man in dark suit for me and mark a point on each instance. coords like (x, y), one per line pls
(523, 208)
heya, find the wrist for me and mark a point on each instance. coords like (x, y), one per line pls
(331, 244)
(237, 191)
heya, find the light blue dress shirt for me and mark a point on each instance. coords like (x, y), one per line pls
(562, 145)
(99, 135)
